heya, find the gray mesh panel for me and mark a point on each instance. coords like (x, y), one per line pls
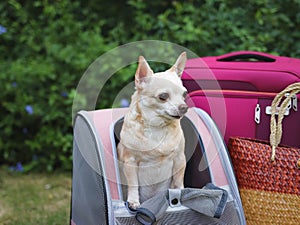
(89, 204)
(85, 139)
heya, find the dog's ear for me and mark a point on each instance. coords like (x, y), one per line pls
(142, 71)
(179, 65)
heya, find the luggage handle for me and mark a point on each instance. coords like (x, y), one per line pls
(246, 56)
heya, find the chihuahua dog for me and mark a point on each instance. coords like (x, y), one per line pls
(151, 148)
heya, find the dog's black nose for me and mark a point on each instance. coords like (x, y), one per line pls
(183, 108)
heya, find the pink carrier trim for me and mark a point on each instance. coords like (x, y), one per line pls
(103, 120)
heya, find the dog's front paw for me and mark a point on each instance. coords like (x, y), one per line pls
(177, 185)
(134, 204)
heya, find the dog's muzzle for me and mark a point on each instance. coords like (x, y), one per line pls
(182, 109)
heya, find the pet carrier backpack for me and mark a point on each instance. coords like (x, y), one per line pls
(97, 196)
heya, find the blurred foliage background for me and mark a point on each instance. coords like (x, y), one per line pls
(46, 46)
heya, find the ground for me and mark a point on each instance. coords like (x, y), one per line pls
(34, 198)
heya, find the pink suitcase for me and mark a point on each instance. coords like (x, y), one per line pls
(247, 113)
(245, 70)
(237, 88)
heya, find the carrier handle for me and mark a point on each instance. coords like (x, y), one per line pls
(145, 216)
(246, 56)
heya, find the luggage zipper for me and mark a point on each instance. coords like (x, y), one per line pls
(257, 114)
(295, 103)
(269, 110)
(292, 104)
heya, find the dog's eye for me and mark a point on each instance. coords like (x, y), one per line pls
(163, 96)
(184, 94)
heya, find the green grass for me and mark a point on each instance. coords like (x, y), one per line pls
(34, 198)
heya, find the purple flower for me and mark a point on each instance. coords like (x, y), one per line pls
(14, 84)
(2, 29)
(25, 130)
(124, 103)
(29, 109)
(64, 94)
(17, 168)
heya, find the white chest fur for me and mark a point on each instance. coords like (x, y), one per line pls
(149, 143)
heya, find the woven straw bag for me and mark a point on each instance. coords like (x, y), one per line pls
(268, 174)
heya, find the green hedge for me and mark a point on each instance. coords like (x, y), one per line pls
(47, 45)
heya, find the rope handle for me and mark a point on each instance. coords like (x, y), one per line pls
(276, 126)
